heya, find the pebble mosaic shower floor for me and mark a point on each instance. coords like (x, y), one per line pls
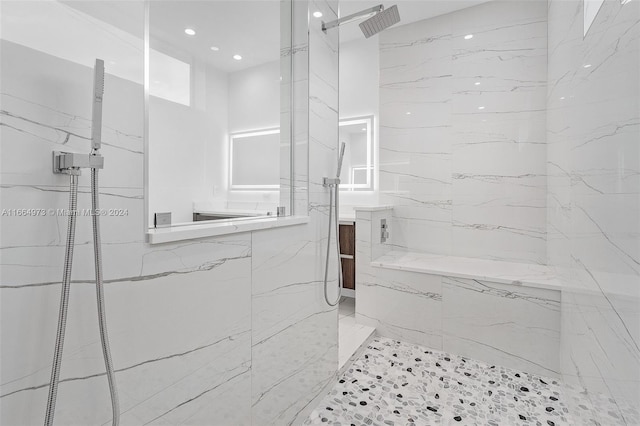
(395, 383)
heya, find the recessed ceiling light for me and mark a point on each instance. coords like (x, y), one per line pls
(237, 57)
(408, 112)
(587, 66)
(477, 83)
(468, 37)
(317, 14)
(190, 31)
(562, 98)
(480, 107)
(364, 129)
(215, 48)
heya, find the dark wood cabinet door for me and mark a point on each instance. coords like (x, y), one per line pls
(349, 274)
(348, 239)
(348, 255)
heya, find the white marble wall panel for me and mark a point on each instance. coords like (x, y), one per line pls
(363, 240)
(462, 147)
(499, 138)
(154, 328)
(593, 161)
(514, 326)
(402, 305)
(285, 360)
(415, 129)
(368, 240)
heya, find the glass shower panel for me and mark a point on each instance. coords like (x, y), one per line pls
(217, 104)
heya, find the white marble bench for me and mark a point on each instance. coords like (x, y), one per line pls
(499, 312)
(518, 274)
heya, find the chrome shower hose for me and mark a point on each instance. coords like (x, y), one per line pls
(64, 302)
(102, 315)
(333, 211)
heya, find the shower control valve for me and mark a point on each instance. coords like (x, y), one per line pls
(384, 230)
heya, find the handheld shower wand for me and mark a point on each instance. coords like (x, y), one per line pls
(334, 186)
(340, 158)
(96, 105)
(96, 143)
(71, 163)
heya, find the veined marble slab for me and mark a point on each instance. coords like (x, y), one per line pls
(518, 274)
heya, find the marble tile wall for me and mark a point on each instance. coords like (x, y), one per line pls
(462, 144)
(209, 331)
(502, 323)
(593, 220)
(402, 305)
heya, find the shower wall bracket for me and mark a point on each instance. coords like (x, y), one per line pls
(330, 181)
(71, 163)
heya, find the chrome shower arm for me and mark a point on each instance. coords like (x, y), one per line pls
(353, 16)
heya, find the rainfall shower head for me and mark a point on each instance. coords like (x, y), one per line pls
(380, 21)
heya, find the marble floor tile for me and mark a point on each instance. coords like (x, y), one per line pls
(395, 383)
(347, 307)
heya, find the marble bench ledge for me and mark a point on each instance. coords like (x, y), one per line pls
(523, 274)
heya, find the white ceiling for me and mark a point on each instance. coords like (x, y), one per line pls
(249, 28)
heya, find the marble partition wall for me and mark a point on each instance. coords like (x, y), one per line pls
(462, 123)
(593, 163)
(210, 331)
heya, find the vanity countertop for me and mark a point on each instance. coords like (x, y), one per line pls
(348, 215)
(347, 218)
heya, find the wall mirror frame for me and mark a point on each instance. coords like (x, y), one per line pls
(358, 164)
(252, 165)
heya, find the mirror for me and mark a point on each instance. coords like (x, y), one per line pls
(357, 165)
(217, 93)
(255, 160)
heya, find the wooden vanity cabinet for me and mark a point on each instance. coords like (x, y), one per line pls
(348, 255)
